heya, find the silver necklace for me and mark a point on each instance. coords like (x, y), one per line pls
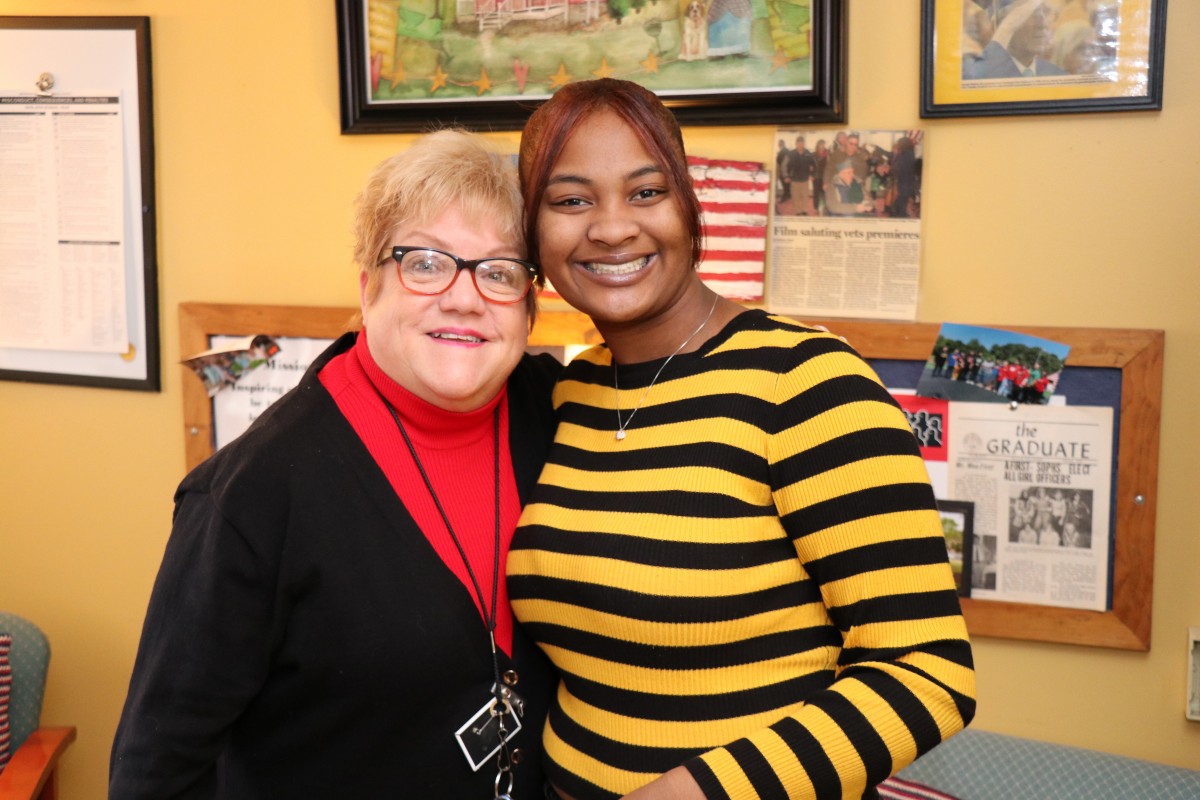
(621, 426)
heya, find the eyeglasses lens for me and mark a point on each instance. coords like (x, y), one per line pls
(431, 272)
(502, 279)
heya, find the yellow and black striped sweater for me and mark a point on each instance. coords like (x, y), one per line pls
(753, 583)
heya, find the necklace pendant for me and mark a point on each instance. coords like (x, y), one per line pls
(620, 434)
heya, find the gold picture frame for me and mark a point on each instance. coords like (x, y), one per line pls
(1005, 57)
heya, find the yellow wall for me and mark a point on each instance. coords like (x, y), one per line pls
(1085, 220)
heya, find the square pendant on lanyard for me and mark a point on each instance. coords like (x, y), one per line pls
(495, 724)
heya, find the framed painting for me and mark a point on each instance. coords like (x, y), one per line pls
(1003, 57)
(410, 65)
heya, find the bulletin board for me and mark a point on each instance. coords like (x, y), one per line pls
(60, 65)
(1132, 360)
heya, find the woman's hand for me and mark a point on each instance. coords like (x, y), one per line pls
(677, 784)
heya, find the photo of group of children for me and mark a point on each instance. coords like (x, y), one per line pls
(976, 364)
(1050, 517)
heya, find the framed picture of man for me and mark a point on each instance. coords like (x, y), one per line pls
(405, 65)
(1001, 57)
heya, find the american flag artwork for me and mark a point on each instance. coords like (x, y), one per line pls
(735, 200)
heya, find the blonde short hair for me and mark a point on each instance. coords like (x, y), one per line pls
(444, 169)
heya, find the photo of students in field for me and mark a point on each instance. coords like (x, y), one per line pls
(990, 365)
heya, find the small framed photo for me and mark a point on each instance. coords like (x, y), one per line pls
(1008, 57)
(958, 525)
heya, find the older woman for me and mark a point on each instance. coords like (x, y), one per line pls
(733, 554)
(330, 618)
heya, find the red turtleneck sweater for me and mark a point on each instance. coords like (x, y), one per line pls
(457, 451)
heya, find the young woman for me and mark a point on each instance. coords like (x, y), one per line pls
(330, 618)
(733, 554)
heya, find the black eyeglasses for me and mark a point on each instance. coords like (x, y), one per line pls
(424, 270)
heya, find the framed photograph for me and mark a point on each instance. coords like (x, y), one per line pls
(410, 65)
(1004, 57)
(78, 264)
(958, 524)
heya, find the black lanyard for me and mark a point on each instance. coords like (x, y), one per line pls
(489, 612)
(504, 701)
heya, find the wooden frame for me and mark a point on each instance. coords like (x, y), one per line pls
(1117, 66)
(1137, 354)
(80, 60)
(394, 81)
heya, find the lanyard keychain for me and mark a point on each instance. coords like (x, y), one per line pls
(504, 762)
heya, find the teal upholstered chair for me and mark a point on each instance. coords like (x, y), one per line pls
(29, 756)
(980, 765)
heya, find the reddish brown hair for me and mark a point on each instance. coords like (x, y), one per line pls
(553, 123)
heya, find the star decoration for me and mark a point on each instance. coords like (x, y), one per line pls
(605, 70)
(560, 78)
(651, 63)
(483, 83)
(779, 61)
(439, 79)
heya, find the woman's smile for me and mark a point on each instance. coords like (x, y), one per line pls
(618, 268)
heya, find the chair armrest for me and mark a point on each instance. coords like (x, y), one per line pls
(30, 771)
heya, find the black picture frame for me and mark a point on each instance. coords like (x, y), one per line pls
(75, 55)
(963, 515)
(822, 102)
(1123, 72)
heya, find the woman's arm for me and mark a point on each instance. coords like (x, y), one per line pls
(854, 496)
(203, 654)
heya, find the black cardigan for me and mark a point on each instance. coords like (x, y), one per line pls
(304, 639)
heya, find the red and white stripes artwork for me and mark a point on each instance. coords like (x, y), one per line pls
(734, 200)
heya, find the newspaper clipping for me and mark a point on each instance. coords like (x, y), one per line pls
(846, 235)
(1040, 478)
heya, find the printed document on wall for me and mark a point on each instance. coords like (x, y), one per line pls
(1041, 481)
(846, 231)
(62, 226)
